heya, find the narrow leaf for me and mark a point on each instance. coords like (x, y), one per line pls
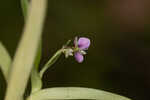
(24, 58)
(38, 55)
(36, 82)
(25, 7)
(5, 61)
(74, 93)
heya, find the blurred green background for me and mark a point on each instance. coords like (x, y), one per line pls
(119, 57)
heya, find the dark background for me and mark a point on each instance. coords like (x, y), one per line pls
(119, 57)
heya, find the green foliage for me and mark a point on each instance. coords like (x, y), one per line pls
(24, 5)
(5, 61)
(36, 81)
(26, 52)
(27, 59)
(74, 93)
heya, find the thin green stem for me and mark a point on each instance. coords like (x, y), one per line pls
(51, 61)
(26, 52)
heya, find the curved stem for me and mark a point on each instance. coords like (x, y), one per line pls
(51, 61)
(26, 52)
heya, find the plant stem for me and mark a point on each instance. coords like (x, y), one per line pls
(51, 61)
(26, 52)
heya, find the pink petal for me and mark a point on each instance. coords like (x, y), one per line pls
(79, 57)
(83, 43)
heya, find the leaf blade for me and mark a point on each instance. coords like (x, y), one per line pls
(26, 52)
(5, 61)
(75, 93)
(36, 80)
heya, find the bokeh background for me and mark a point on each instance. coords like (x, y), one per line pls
(119, 57)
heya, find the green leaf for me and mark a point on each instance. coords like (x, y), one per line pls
(24, 5)
(36, 81)
(5, 61)
(26, 52)
(74, 93)
(38, 55)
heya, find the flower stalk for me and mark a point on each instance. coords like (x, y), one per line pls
(52, 60)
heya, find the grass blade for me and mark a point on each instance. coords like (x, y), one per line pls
(74, 93)
(5, 61)
(26, 52)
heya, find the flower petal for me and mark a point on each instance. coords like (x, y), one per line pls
(83, 43)
(79, 57)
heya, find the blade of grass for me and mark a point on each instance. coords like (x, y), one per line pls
(26, 52)
(5, 61)
(25, 7)
(36, 81)
(74, 93)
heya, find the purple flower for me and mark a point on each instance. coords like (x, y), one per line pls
(81, 45)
